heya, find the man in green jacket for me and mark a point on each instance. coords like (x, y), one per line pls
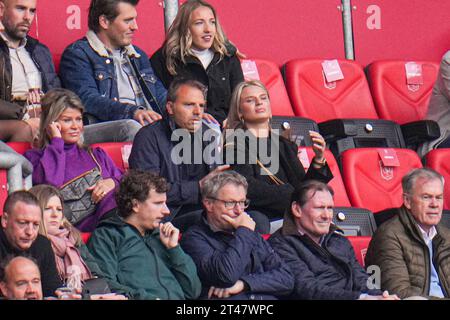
(138, 253)
(412, 248)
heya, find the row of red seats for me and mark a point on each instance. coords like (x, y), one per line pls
(381, 94)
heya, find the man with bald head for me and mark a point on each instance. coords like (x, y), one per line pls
(20, 279)
(19, 236)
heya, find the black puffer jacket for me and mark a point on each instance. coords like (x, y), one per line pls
(326, 272)
(221, 77)
(43, 60)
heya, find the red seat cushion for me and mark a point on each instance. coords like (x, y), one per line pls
(310, 98)
(270, 75)
(438, 159)
(370, 186)
(393, 98)
(360, 245)
(340, 194)
(85, 236)
(20, 147)
(114, 150)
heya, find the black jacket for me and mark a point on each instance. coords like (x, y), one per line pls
(221, 77)
(42, 58)
(323, 272)
(224, 258)
(152, 151)
(41, 250)
(266, 196)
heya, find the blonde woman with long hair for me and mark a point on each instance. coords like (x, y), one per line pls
(74, 262)
(269, 190)
(87, 177)
(196, 48)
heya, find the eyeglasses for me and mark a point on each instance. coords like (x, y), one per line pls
(231, 204)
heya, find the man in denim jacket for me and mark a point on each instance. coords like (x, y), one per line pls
(113, 78)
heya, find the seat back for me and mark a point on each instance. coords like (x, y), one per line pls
(340, 194)
(445, 220)
(371, 185)
(360, 245)
(438, 159)
(3, 189)
(116, 152)
(344, 134)
(312, 97)
(299, 128)
(394, 99)
(20, 147)
(270, 75)
(354, 221)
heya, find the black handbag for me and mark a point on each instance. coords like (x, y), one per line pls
(78, 202)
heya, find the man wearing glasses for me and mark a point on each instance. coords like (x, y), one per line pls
(233, 261)
(412, 248)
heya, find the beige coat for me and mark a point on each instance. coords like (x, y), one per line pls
(398, 248)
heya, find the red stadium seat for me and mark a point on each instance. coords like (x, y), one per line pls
(340, 194)
(270, 75)
(360, 245)
(20, 147)
(85, 236)
(371, 185)
(3, 189)
(438, 159)
(266, 236)
(312, 98)
(57, 60)
(394, 99)
(114, 150)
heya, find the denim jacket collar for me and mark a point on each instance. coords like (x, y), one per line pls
(100, 48)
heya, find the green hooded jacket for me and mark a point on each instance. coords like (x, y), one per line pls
(141, 267)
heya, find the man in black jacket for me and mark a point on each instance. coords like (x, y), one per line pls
(19, 236)
(321, 259)
(174, 149)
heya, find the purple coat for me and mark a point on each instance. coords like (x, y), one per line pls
(58, 163)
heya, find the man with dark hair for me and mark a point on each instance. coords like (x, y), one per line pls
(321, 259)
(233, 260)
(113, 78)
(138, 253)
(411, 249)
(179, 150)
(27, 70)
(19, 235)
(20, 279)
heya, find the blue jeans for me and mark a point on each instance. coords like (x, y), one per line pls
(111, 131)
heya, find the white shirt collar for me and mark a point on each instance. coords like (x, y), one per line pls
(428, 237)
(5, 38)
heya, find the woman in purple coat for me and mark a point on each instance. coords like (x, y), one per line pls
(86, 177)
